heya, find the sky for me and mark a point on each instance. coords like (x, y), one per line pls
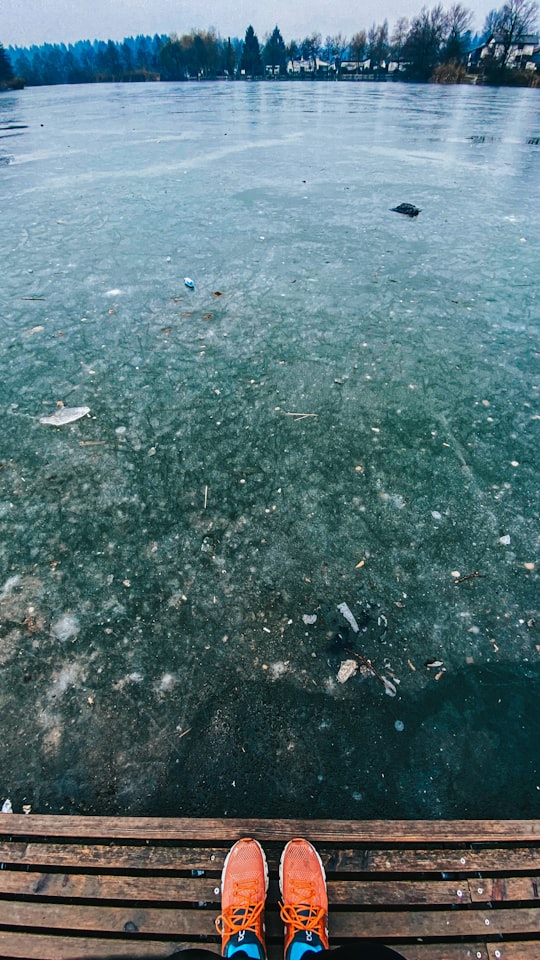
(65, 21)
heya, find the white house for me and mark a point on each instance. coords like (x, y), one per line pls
(520, 56)
(298, 68)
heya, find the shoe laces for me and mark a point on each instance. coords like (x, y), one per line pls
(243, 915)
(302, 914)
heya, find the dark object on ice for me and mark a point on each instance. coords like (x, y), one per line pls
(407, 208)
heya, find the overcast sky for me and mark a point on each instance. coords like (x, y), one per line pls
(23, 22)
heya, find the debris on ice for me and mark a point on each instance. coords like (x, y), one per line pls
(65, 415)
(346, 612)
(66, 628)
(347, 669)
(8, 586)
(389, 687)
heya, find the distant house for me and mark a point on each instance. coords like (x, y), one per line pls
(309, 68)
(352, 68)
(522, 55)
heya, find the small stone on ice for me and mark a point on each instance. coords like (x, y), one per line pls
(505, 540)
(310, 618)
(436, 515)
(347, 669)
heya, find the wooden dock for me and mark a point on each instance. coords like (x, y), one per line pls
(74, 887)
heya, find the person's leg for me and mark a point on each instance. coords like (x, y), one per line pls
(244, 882)
(358, 950)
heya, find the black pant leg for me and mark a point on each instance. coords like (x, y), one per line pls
(358, 950)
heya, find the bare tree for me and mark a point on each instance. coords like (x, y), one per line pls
(425, 41)
(359, 47)
(335, 48)
(458, 22)
(511, 24)
(399, 37)
(378, 46)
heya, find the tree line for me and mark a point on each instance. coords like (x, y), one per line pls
(433, 45)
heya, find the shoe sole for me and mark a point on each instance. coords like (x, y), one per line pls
(281, 862)
(263, 855)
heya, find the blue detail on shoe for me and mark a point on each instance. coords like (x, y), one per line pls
(302, 943)
(246, 942)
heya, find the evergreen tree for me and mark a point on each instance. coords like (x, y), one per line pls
(274, 52)
(6, 70)
(292, 50)
(23, 67)
(311, 48)
(172, 60)
(112, 61)
(229, 59)
(251, 62)
(127, 57)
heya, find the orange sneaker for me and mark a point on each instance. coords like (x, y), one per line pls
(244, 882)
(304, 907)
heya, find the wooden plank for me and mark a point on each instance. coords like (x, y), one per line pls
(116, 857)
(207, 889)
(437, 923)
(442, 951)
(20, 946)
(398, 892)
(361, 831)
(107, 887)
(460, 861)
(108, 919)
(519, 950)
(504, 888)
(350, 860)
(444, 923)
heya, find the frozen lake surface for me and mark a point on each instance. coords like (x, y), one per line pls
(343, 411)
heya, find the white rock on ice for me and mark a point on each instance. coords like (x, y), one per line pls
(347, 669)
